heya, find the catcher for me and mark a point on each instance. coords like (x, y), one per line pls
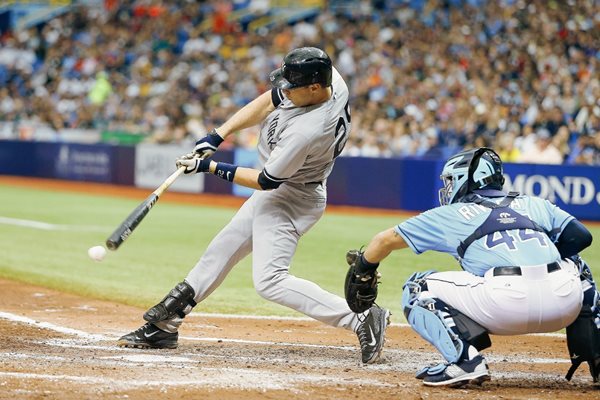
(522, 273)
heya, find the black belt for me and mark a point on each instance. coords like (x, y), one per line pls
(498, 271)
(314, 183)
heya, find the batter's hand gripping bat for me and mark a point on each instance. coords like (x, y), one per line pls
(132, 221)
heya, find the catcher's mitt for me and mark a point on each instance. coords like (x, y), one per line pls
(360, 289)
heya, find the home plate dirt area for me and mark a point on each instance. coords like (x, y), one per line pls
(57, 345)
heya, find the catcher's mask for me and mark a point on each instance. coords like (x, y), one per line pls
(468, 171)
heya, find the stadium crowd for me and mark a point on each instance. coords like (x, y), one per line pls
(426, 77)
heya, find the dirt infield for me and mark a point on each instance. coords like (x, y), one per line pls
(60, 346)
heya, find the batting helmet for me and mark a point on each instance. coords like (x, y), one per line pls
(302, 67)
(470, 170)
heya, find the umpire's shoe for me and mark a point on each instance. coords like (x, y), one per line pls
(149, 336)
(371, 334)
(473, 371)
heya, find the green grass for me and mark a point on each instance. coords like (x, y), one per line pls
(168, 243)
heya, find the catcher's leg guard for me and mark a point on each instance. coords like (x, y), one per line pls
(179, 301)
(450, 331)
(583, 335)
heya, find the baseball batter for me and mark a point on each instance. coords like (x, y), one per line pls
(521, 270)
(305, 122)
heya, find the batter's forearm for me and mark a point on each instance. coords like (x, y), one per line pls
(247, 177)
(383, 244)
(251, 114)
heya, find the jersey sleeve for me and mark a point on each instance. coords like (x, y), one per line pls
(288, 156)
(558, 219)
(427, 231)
(276, 97)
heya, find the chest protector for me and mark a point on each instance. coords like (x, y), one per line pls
(502, 218)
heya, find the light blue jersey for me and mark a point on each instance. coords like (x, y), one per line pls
(442, 228)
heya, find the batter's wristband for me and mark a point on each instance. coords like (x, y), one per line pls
(225, 171)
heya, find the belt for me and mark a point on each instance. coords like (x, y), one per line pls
(498, 271)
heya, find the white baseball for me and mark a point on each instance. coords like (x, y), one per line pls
(97, 253)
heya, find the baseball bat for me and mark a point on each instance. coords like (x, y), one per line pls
(133, 220)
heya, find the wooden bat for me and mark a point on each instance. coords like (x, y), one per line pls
(133, 220)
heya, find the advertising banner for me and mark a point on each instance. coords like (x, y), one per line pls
(575, 189)
(155, 162)
(413, 184)
(400, 184)
(82, 162)
(72, 161)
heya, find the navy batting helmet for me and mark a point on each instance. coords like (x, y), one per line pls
(302, 67)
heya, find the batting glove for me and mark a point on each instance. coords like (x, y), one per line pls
(207, 146)
(192, 164)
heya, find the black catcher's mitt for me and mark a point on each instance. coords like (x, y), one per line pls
(360, 289)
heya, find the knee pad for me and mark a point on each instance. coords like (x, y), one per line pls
(432, 325)
(427, 319)
(443, 326)
(179, 300)
(412, 288)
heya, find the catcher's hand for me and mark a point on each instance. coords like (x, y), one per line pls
(360, 289)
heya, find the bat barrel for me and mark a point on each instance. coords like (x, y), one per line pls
(130, 223)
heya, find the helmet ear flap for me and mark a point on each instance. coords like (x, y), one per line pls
(472, 185)
(495, 158)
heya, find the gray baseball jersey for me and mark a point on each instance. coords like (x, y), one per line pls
(297, 148)
(298, 145)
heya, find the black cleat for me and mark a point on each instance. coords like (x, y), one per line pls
(371, 334)
(149, 336)
(473, 371)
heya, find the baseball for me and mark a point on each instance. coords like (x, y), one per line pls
(97, 253)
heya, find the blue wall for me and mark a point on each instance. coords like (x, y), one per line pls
(405, 184)
(78, 162)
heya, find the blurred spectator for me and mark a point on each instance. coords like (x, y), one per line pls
(475, 72)
(100, 89)
(586, 151)
(526, 142)
(505, 147)
(544, 151)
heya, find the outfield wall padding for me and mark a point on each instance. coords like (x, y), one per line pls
(404, 184)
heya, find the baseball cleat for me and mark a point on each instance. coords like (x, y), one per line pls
(422, 373)
(371, 334)
(149, 336)
(473, 371)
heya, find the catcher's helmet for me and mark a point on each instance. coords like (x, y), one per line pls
(470, 170)
(302, 67)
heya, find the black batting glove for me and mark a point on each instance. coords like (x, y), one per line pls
(207, 146)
